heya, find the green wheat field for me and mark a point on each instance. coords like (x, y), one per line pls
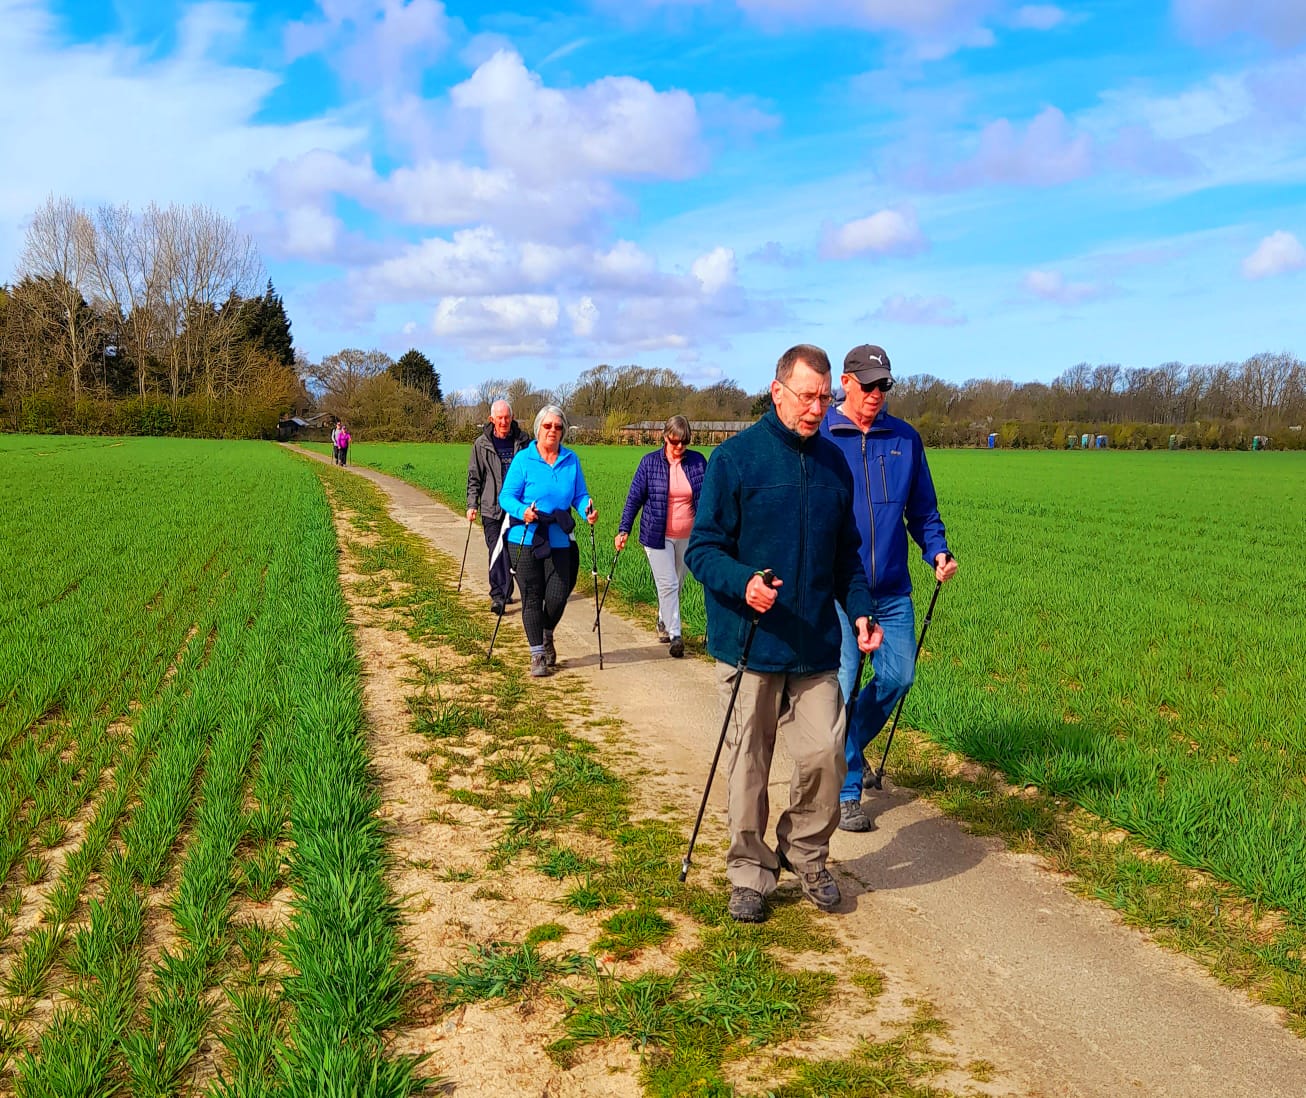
(1125, 630)
(181, 733)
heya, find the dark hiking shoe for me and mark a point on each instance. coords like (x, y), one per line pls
(677, 648)
(746, 905)
(539, 665)
(852, 817)
(550, 653)
(819, 887)
(663, 635)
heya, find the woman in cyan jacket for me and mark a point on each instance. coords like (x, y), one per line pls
(543, 484)
(666, 486)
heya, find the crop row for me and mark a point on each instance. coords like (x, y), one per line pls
(176, 663)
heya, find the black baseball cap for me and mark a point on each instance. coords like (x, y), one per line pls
(867, 363)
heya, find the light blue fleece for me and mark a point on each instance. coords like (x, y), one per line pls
(533, 481)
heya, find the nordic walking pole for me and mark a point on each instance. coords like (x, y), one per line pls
(767, 577)
(499, 621)
(877, 779)
(594, 571)
(464, 563)
(606, 584)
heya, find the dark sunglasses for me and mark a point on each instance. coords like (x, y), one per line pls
(884, 384)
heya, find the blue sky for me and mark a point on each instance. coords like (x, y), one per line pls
(986, 188)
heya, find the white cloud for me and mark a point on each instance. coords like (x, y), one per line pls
(932, 311)
(616, 126)
(382, 44)
(775, 254)
(473, 262)
(1279, 253)
(716, 270)
(1053, 286)
(887, 232)
(1047, 152)
(95, 118)
(509, 316)
(934, 28)
(1282, 22)
(584, 316)
(1041, 17)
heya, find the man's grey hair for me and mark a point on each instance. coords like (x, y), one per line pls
(817, 360)
(501, 404)
(551, 410)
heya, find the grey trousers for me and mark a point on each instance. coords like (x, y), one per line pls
(809, 710)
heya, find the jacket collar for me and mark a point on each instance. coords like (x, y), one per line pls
(838, 423)
(789, 437)
(514, 432)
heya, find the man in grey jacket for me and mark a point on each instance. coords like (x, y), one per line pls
(492, 453)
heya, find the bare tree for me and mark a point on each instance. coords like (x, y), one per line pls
(342, 375)
(203, 262)
(59, 250)
(126, 281)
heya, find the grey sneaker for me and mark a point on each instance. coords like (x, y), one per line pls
(550, 653)
(663, 635)
(819, 887)
(539, 665)
(746, 905)
(852, 817)
(677, 648)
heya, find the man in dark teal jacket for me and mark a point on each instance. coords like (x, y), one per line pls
(893, 496)
(778, 496)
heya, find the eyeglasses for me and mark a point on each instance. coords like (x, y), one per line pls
(808, 399)
(675, 441)
(550, 426)
(883, 384)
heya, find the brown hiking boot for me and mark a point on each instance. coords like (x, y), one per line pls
(550, 653)
(819, 887)
(539, 665)
(852, 817)
(747, 905)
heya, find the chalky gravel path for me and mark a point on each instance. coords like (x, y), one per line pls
(1060, 996)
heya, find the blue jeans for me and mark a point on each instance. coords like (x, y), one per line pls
(895, 667)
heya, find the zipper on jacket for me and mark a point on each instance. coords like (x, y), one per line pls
(870, 509)
(802, 535)
(884, 479)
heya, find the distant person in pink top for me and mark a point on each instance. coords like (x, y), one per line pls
(666, 488)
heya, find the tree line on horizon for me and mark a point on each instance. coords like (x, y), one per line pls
(163, 322)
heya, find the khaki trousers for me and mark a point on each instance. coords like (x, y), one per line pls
(809, 710)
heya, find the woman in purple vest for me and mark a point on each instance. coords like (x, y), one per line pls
(666, 487)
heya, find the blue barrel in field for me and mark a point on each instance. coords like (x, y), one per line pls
(993, 441)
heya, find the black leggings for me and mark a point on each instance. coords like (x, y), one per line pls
(545, 587)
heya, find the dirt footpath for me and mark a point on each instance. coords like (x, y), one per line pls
(1049, 987)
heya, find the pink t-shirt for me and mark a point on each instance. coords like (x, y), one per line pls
(680, 504)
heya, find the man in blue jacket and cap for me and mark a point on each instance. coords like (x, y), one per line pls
(893, 496)
(778, 497)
